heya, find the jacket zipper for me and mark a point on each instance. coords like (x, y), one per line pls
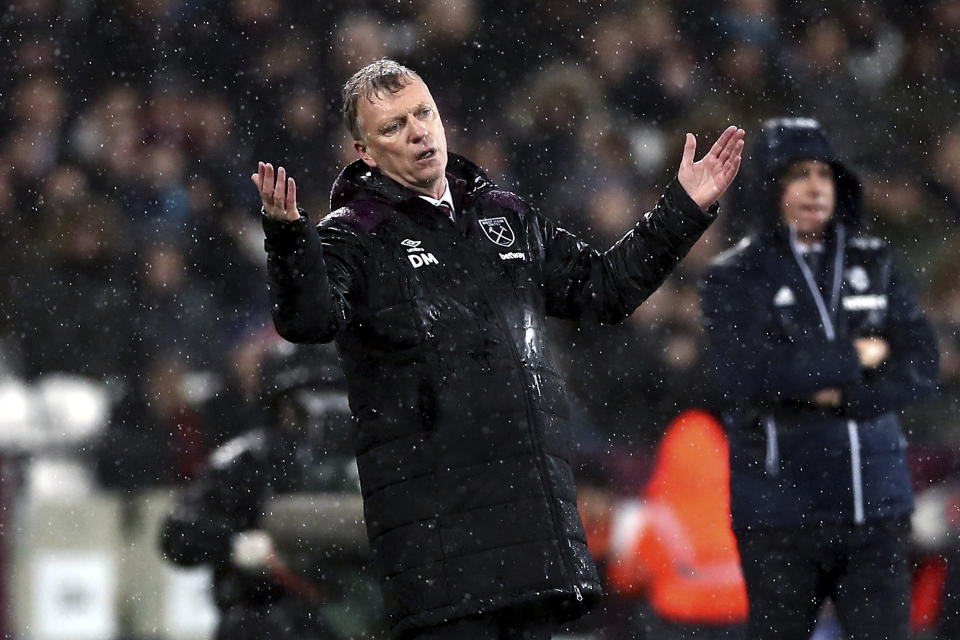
(773, 449)
(528, 406)
(826, 315)
(856, 468)
(856, 471)
(541, 465)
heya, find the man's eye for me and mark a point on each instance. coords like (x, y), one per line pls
(392, 127)
(425, 112)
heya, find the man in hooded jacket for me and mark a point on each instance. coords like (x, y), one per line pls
(435, 285)
(817, 340)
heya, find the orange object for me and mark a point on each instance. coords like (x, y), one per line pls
(678, 546)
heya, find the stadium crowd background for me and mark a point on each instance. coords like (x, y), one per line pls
(130, 244)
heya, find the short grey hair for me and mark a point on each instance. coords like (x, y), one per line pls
(382, 75)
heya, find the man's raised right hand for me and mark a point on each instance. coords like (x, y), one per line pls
(279, 198)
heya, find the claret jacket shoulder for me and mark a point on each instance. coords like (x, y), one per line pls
(462, 439)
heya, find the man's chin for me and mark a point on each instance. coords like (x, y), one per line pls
(429, 180)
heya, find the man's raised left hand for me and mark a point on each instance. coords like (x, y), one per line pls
(706, 179)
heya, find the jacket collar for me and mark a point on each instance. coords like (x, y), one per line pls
(827, 305)
(358, 182)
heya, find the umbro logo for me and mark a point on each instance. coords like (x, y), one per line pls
(417, 256)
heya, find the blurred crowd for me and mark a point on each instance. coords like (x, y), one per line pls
(130, 242)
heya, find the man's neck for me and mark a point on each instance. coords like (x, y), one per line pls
(810, 239)
(434, 191)
(440, 189)
(439, 195)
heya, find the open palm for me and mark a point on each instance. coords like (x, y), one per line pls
(279, 197)
(707, 178)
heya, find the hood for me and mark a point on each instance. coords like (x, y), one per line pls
(357, 182)
(783, 141)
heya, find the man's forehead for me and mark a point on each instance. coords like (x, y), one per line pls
(384, 102)
(808, 163)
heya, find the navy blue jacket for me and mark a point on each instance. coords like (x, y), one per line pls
(774, 344)
(463, 437)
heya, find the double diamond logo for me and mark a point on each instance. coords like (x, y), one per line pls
(498, 231)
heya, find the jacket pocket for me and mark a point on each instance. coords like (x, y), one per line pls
(882, 435)
(391, 328)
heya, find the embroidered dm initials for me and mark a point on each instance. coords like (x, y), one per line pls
(417, 256)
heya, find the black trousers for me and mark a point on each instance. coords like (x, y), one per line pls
(497, 625)
(863, 569)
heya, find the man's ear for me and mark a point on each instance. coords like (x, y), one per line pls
(362, 152)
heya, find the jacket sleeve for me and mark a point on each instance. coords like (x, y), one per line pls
(752, 365)
(911, 371)
(313, 275)
(609, 286)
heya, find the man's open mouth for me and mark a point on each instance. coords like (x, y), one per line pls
(429, 153)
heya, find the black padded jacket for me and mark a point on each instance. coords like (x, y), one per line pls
(462, 441)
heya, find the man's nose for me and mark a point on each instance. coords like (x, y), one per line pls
(818, 185)
(418, 131)
(810, 185)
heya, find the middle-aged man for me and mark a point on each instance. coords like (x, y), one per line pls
(435, 285)
(818, 340)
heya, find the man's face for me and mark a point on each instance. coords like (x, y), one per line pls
(808, 197)
(404, 137)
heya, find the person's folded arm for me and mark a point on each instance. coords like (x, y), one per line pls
(752, 364)
(910, 372)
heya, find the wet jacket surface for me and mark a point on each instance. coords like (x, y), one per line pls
(462, 440)
(774, 345)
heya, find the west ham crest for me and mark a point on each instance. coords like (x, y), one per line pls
(498, 231)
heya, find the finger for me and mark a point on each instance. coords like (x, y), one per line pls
(258, 176)
(722, 141)
(731, 170)
(280, 190)
(729, 146)
(689, 149)
(266, 188)
(291, 202)
(733, 149)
